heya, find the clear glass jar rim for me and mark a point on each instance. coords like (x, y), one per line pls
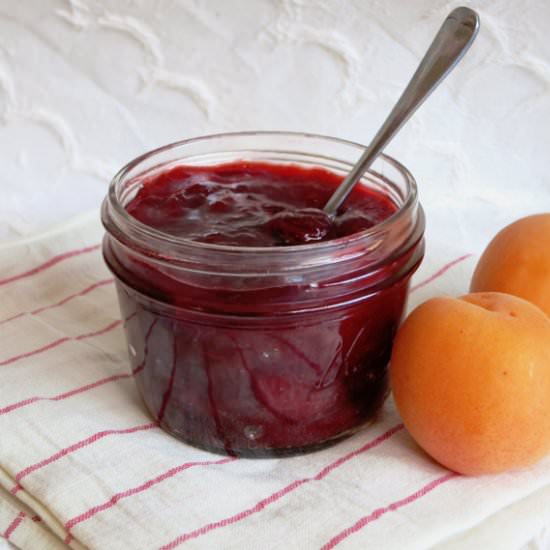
(154, 235)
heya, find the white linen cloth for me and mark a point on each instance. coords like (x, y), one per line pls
(82, 463)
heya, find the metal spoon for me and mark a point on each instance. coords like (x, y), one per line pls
(448, 47)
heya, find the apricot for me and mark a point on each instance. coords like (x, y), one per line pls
(517, 261)
(471, 380)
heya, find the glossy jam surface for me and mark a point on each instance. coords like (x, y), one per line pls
(256, 366)
(253, 204)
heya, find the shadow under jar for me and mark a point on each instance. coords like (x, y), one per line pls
(262, 351)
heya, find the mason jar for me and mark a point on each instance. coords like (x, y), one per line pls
(262, 351)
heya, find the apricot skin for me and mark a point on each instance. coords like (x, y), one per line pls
(471, 380)
(517, 261)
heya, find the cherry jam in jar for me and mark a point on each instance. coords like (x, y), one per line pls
(256, 326)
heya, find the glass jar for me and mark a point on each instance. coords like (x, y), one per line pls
(255, 351)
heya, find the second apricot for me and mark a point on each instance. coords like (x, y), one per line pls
(517, 261)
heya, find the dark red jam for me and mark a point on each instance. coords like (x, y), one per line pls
(259, 365)
(254, 204)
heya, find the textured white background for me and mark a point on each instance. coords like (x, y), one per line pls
(86, 85)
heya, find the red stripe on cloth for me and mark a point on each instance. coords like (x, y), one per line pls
(101, 331)
(337, 463)
(57, 343)
(13, 317)
(13, 525)
(135, 490)
(379, 512)
(50, 263)
(47, 347)
(274, 497)
(87, 290)
(70, 393)
(75, 447)
(440, 272)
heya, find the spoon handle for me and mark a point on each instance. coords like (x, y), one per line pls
(451, 42)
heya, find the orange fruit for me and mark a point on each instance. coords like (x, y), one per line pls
(471, 380)
(517, 261)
